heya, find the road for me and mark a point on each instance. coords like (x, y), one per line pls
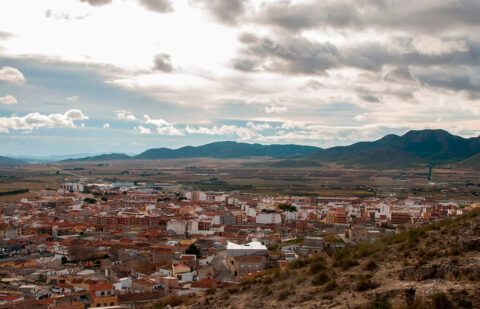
(218, 262)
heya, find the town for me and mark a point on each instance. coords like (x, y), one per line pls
(127, 245)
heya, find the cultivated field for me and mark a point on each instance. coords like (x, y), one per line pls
(235, 174)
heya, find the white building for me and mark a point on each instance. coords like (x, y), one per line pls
(268, 218)
(252, 248)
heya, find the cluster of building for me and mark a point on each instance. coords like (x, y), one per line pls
(124, 245)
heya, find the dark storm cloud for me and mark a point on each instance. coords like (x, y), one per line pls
(424, 16)
(298, 55)
(370, 98)
(290, 56)
(225, 11)
(163, 63)
(399, 75)
(159, 6)
(295, 17)
(456, 80)
(97, 2)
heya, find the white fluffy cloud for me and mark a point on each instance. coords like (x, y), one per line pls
(163, 127)
(36, 120)
(125, 115)
(106, 125)
(73, 98)
(142, 130)
(8, 99)
(11, 75)
(242, 132)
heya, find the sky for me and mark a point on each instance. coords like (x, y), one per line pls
(100, 76)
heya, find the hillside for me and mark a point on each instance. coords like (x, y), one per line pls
(413, 148)
(224, 150)
(472, 163)
(10, 161)
(103, 157)
(435, 266)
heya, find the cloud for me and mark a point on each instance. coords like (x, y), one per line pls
(258, 126)
(72, 98)
(11, 75)
(106, 125)
(163, 63)
(36, 120)
(275, 109)
(289, 55)
(5, 35)
(427, 17)
(8, 99)
(225, 11)
(163, 127)
(125, 115)
(242, 132)
(159, 6)
(399, 75)
(370, 98)
(360, 117)
(97, 2)
(142, 130)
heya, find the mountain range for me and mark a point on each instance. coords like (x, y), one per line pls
(415, 148)
(435, 147)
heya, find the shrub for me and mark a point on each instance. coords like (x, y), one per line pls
(211, 290)
(371, 265)
(441, 301)
(453, 251)
(364, 284)
(266, 291)
(317, 266)
(320, 279)
(330, 286)
(381, 303)
(297, 264)
(283, 294)
(172, 300)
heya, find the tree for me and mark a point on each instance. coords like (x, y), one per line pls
(287, 207)
(192, 249)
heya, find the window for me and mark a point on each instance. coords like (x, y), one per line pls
(102, 293)
(111, 304)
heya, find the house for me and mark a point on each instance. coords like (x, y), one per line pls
(312, 245)
(103, 294)
(242, 265)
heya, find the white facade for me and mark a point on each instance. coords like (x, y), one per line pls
(268, 218)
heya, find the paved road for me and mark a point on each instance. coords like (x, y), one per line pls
(218, 262)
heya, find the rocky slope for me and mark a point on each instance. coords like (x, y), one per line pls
(435, 266)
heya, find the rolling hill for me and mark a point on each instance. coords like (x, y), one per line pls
(103, 157)
(223, 150)
(218, 150)
(10, 161)
(472, 163)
